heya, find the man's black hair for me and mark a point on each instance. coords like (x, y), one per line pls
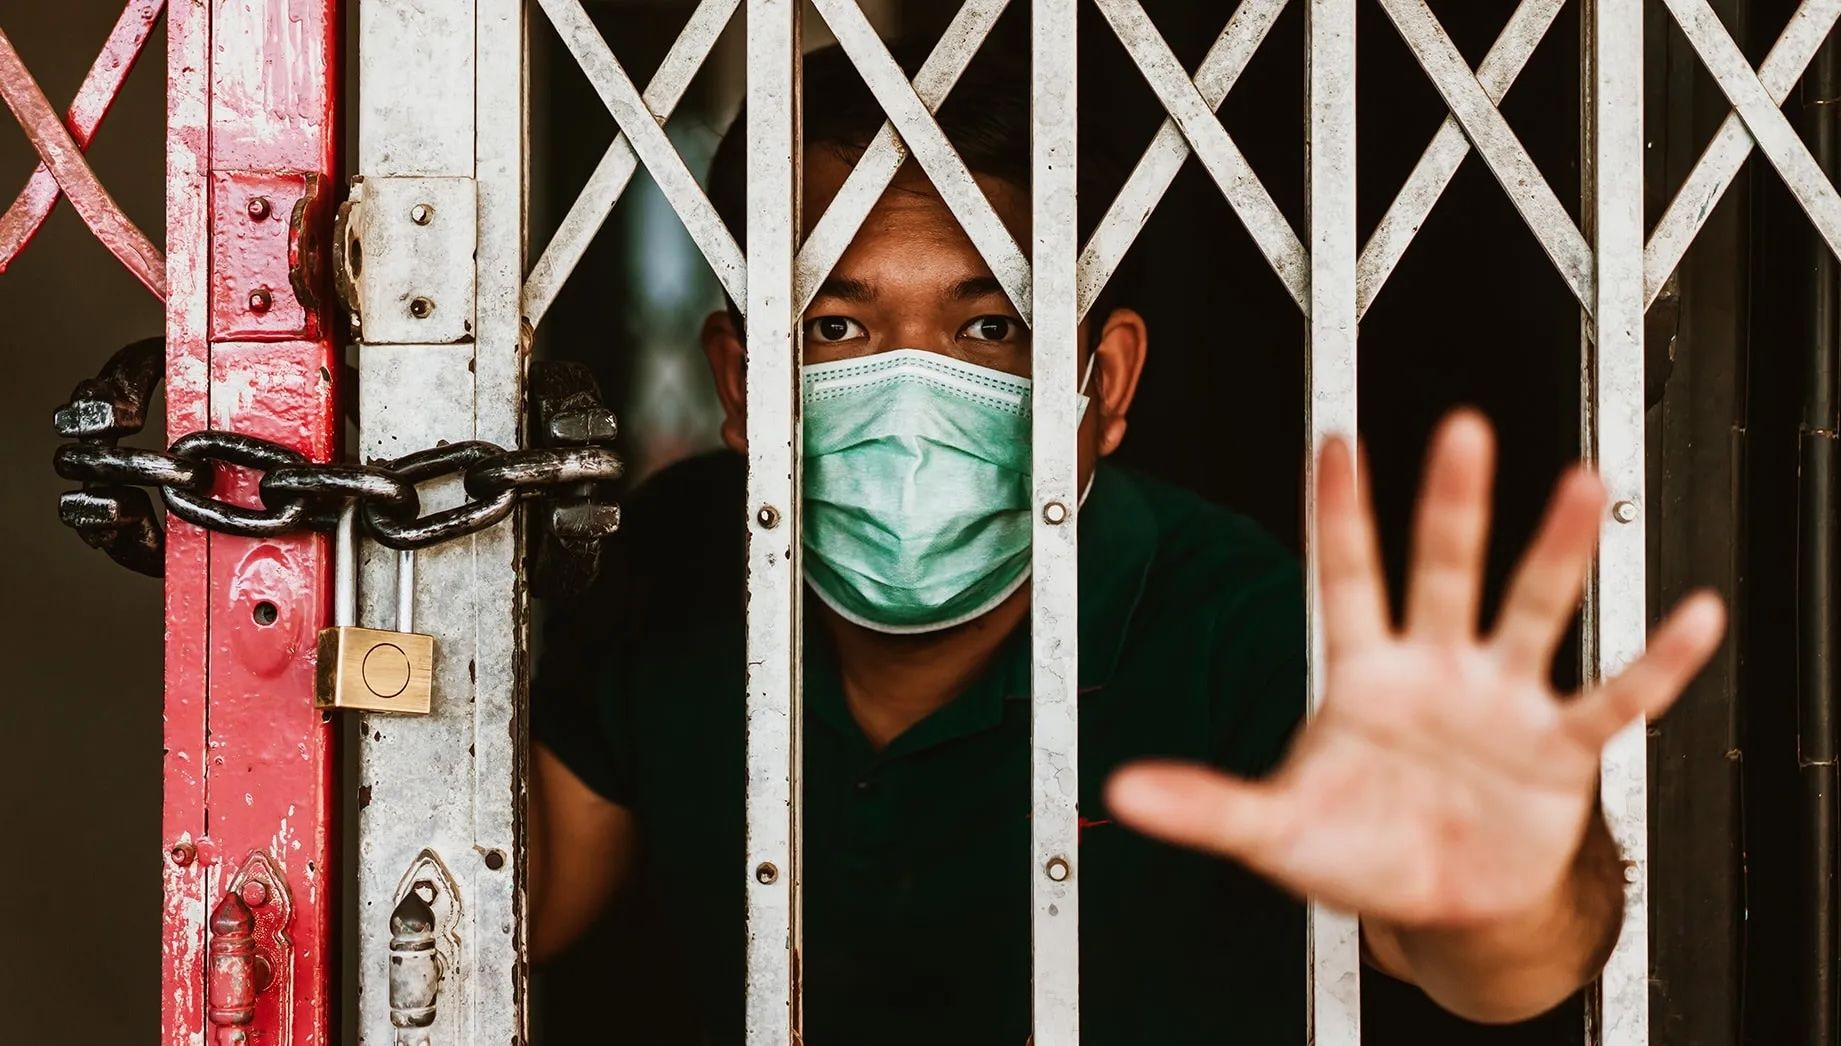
(985, 117)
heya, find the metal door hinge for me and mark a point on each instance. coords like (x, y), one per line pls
(403, 259)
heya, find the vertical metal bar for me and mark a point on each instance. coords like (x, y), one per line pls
(1616, 615)
(1334, 937)
(774, 570)
(442, 90)
(1054, 582)
(1815, 609)
(250, 117)
(188, 366)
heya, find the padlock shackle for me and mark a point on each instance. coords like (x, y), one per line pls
(345, 566)
(406, 590)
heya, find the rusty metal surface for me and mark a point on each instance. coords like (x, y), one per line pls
(63, 157)
(103, 83)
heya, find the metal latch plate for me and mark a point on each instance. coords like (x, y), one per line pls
(406, 259)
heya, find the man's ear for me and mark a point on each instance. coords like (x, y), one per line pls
(728, 365)
(1119, 362)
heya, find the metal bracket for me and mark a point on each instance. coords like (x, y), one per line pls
(251, 953)
(404, 259)
(424, 947)
(266, 269)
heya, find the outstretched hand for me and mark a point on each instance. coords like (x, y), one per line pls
(1443, 782)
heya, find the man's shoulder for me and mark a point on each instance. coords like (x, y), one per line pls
(1208, 555)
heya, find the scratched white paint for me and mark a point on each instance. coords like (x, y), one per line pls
(448, 784)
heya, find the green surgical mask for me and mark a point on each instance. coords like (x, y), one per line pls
(916, 488)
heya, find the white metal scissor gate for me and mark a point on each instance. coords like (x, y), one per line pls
(448, 313)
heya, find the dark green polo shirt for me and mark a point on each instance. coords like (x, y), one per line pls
(916, 858)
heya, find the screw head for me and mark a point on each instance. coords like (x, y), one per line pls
(1630, 872)
(1624, 512)
(261, 299)
(421, 307)
(768, 517)
(182, 854)
(255, 893)
(1054, 513)
(259, 208)
(1058, 869)
(422, 214)
(495, 859)
(766, 874)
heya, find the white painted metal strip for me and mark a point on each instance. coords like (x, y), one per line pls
(1496, 143)
(618, 163)
(1760, 110)
(1212, 144)
(834, 230)
(639, 123)
(1054, 763)
(1440, 161)
(773, 645)
(1732, 143)
(1616, 613)
(1125, 218)
(439, 792)
(914, 120)
(1334, 937)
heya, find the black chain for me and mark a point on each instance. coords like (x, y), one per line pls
(297, 494)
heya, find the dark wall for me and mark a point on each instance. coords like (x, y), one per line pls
(80, 707)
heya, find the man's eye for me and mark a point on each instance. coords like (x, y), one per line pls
(834, 328)
(991, 328)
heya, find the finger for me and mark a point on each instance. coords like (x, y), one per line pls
(1542, 595)
(1451, 531)
(1354, 602)
(1649, 685)
(1198, 807)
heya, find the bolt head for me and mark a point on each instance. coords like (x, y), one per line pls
(766, 873)
(261, 299)
(1058, 869)
(768, 517)
(422, 214)
(255, 893)
(259, 208)
(420, 307)
(1624, 512)
(182, 854)
(1055, 513)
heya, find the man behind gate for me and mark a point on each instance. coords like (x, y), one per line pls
(1443, 791)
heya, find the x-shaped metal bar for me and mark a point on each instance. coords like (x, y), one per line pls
(1756, 118)
(609, 180)
(1441, 159)
(1227, 58)
(1195, 116)
(1496, 143)
(639, 124)
(100, 87)
(873, 171)
(913, 118)
(62, 158)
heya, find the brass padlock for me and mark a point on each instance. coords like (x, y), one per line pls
(370, 669)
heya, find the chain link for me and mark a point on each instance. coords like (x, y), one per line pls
(296, 494)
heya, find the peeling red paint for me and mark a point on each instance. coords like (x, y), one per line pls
(249, 762)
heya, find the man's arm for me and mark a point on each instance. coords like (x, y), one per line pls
(579, 850)
(1522, 966)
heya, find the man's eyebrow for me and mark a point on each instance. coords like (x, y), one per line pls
(976, 287)
(857, 292)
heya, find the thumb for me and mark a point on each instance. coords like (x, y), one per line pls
(1198, 807)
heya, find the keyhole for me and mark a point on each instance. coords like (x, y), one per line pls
(265, 613)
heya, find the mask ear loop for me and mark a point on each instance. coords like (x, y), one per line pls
(1085, 378)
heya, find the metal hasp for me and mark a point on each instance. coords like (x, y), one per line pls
(108, 514)
(248, 763)
(431, 255)
(249, 946)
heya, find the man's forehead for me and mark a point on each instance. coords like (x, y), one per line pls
(911, 202)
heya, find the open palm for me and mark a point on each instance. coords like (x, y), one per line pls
(1442, 781)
